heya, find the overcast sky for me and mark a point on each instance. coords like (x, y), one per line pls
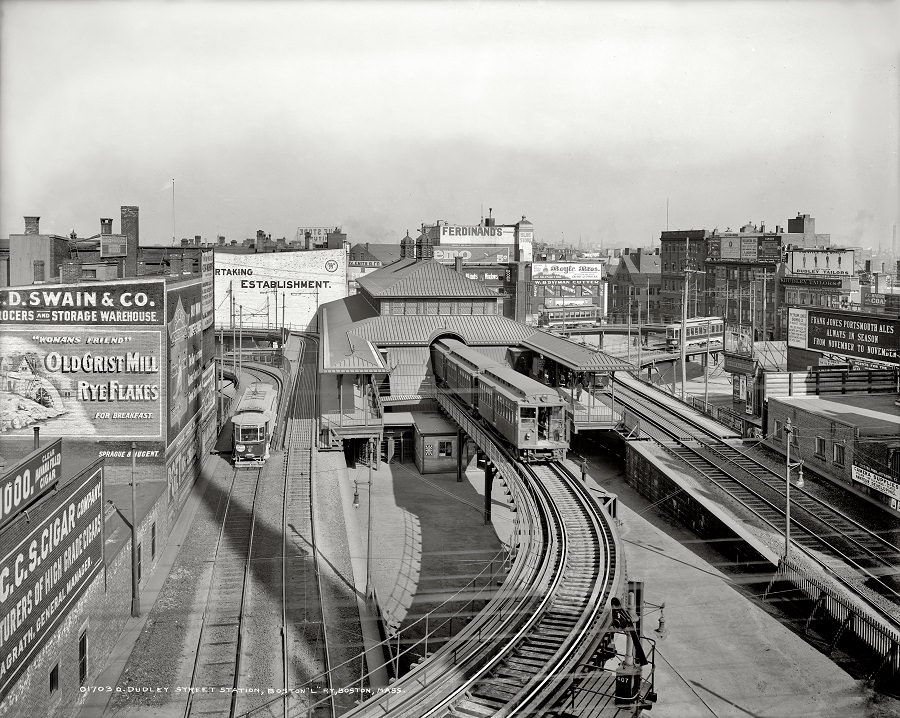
(585, 117)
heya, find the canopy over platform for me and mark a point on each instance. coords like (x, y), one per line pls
(573, 356)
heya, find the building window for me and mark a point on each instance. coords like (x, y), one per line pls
(839, 454)
(54, 678)
(139, 562)
(445, 448)
(82, 657)
(153, 540)
(38, 270)
(820, 447)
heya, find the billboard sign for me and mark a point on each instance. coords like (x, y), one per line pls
(769, 249)
(868, 337)
(207, 272)
(299, 281)
(45, 567)
(876, 480)
(738, 339)
(131, 302)
(28, 480)
(730, 248)
(568, 271)
(475, 254)
(820, 282)
(105, 384)
(525, 242)
(821, 262)
(185, 338)
(464, 234)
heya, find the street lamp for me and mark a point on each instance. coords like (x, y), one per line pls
(788, 430)
(371, 443)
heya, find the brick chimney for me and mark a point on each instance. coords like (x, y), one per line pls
(71, 272)
(32, 225)
(175, 266)
(105, 226)
(131, 230)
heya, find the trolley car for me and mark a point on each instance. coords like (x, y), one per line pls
(700, 330)
(254, 422)
(562, 317)
(530, 416)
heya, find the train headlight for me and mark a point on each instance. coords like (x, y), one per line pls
(527, 434)
(240, 447)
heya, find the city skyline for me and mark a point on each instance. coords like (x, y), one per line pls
(597, 121)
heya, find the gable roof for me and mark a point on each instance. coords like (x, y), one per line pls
(575, 356)
(422, 278)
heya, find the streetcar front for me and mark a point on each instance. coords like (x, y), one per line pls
(251, 439)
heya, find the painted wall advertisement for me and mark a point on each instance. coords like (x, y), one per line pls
(821, 262)
(251, 284)
(526, 244)
(877, 481)
(29, 479)
(127, 302)
(464, 234)
(46, 565)
(185, 336)
(207, 273)
(865, 336)
(73, 361)
(567, 271)
(475, 254)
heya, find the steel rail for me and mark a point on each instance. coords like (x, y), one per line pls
(539, 591)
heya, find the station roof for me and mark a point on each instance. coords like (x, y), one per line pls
(422, 278)
(432, 423)
(352, 329)
(872, 414)
(576, 357)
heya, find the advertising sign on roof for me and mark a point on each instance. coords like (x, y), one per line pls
(132, 302)
(865, 336)
(568, 271)
(46, 567)
(464, 234)
(475, 254)
(821, 262)
(249, 285)
(28, 480)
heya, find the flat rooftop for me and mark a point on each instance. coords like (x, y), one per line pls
(874, 414)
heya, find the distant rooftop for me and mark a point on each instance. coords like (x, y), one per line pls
(422, 278)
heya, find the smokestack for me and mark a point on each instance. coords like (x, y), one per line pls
(105, 226)
(130, 228)
(458, 262)
(32, 225)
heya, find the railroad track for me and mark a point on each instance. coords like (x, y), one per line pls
(517, 655)
(217, 659)
(837, 540)
(818, 527)
(664, 425)
(304, 630)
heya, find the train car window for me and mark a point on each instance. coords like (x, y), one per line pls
(249, 433)
(529, 412)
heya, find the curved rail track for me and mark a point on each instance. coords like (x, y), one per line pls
(517, 655)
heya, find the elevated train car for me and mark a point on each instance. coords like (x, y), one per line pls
(530, 416)
(699, 331)
(254, 424)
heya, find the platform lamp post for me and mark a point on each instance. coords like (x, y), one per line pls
(372, 448)
(788, 431)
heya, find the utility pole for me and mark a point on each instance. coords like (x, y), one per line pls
(639, 330)
(628, 309)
